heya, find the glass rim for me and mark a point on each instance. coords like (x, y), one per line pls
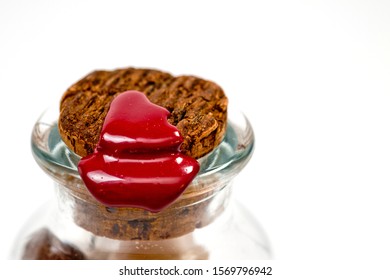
(227, 159)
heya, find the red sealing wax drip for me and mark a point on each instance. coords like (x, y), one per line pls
(137, 162)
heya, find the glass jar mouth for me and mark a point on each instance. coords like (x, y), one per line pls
(226, 160)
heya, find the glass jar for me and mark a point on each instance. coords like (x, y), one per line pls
(204, 223)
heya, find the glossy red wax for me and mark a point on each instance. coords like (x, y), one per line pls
(137, 162)
(134, 124)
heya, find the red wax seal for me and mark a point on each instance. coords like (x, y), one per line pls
(137, 162)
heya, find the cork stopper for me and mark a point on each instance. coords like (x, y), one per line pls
(193, 210)
(198, 107)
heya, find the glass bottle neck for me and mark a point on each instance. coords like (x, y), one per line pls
(203, 201)
(182, 217)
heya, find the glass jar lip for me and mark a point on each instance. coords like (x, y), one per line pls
(228, 158)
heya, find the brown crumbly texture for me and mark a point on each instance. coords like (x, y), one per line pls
(198, 107)
(191, 211)
(138, 224)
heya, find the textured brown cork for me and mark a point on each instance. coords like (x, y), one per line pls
(198, 108)
(182, 217)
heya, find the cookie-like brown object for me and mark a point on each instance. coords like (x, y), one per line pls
(198, 107)
(44, 245)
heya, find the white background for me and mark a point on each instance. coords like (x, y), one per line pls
(312, 76)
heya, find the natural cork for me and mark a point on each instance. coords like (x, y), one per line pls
(198, 108)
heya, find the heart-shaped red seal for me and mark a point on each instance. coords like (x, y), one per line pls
(137, 162)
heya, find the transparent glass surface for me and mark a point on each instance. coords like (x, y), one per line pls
(204, 223)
